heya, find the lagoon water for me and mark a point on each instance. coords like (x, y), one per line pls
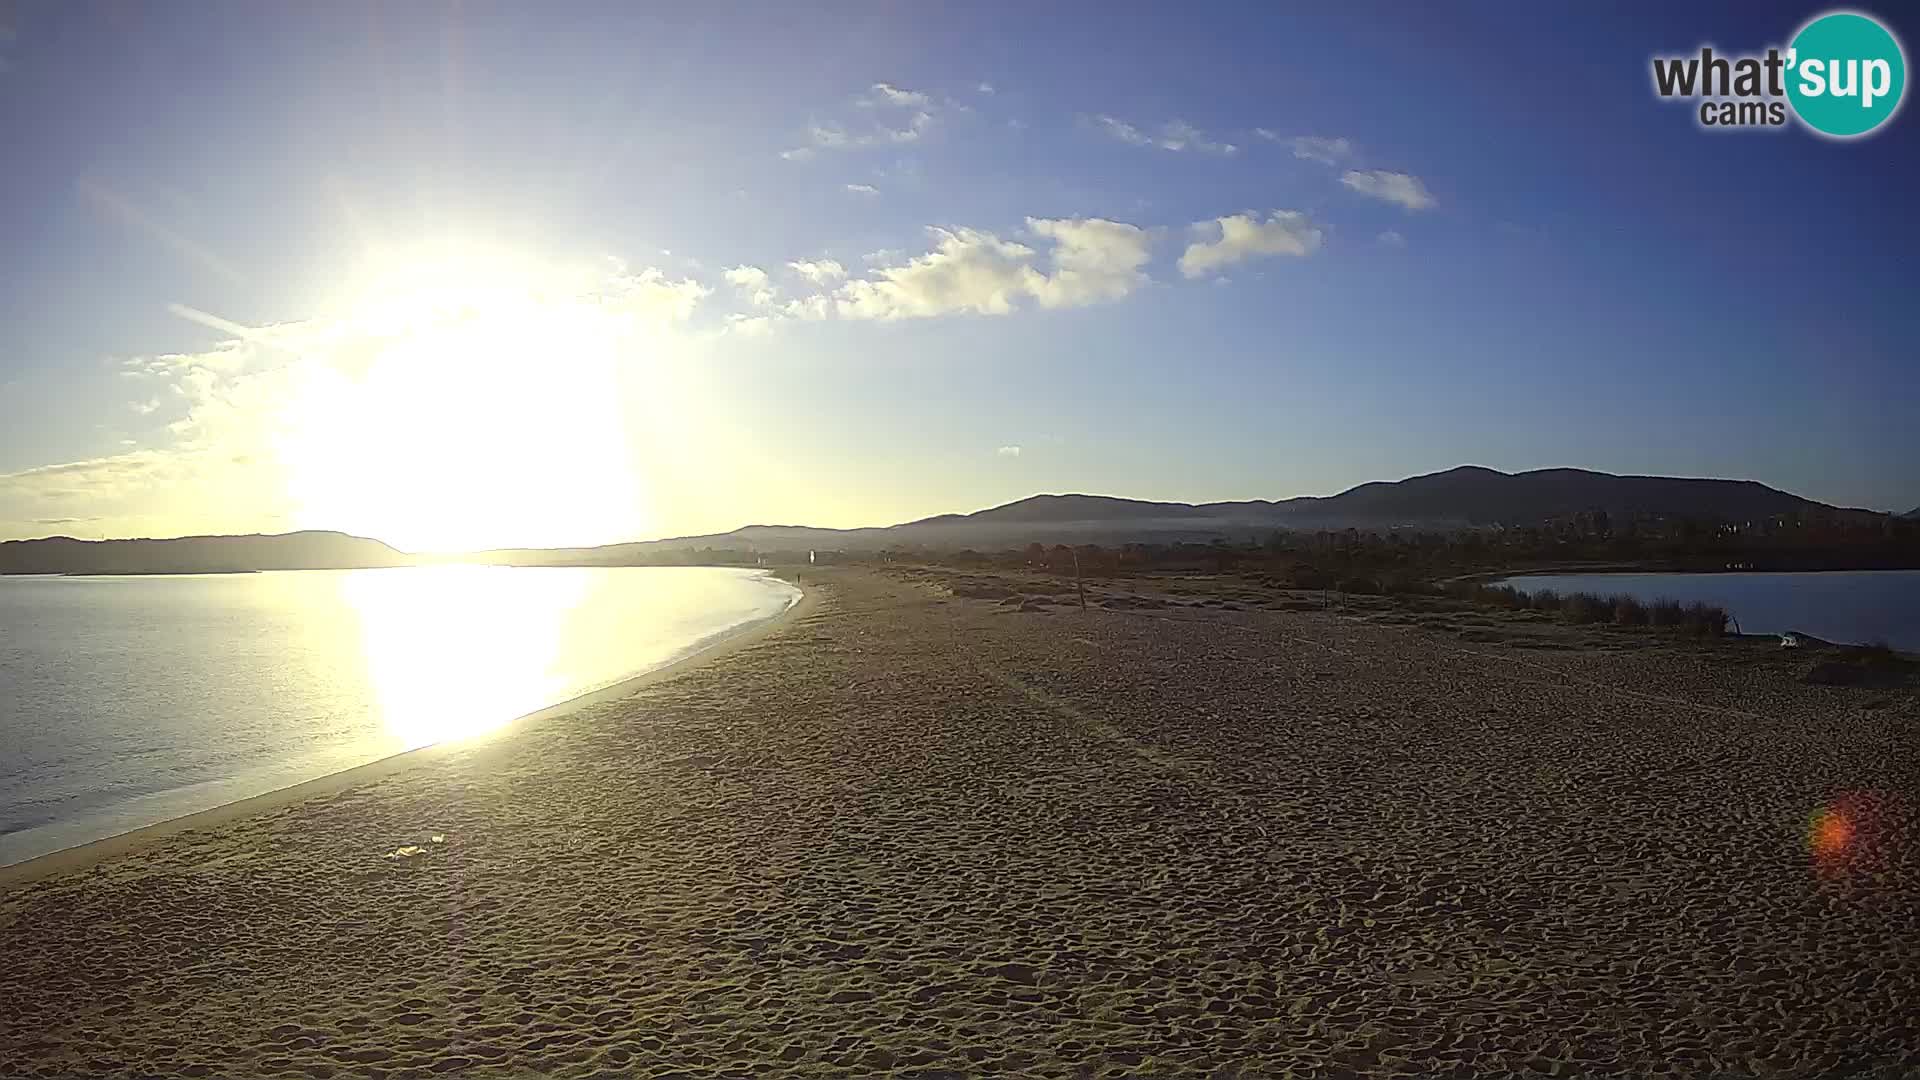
(130, 700)
(1855, 606)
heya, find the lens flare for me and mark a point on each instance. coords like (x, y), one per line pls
(1829, 833)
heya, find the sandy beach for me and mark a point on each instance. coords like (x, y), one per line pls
(912, 833)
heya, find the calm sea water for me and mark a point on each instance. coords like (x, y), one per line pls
(1851, 606)
(130, 700)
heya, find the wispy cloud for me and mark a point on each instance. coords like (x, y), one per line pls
(1391, 239)
(887, 94)
(1320, 148)
(1123, 131)
(1403, 189)
(890, 116)
(1175, 135)
(834, 138)
(863, 189)
(123, 210)
(1008, 451)
(1239, 237)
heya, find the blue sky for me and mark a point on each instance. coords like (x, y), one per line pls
(869, 263)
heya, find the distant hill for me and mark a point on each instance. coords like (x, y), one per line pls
(196, 554)
(1460, 497)
(1464, 496)
(1472, 495)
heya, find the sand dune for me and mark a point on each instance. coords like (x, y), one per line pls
(933, 836)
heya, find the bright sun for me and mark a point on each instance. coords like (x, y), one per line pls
(468, 400)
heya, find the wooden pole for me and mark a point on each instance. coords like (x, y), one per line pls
(1077, 585)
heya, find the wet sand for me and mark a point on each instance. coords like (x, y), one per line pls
(908, 832)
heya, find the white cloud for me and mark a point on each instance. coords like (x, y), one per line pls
(808, 308)
(1180, 135)
(650, 294)
(911, 133)
(798, 153)
(1402, 188)
(968, 270)
(1123, 131)
(985, 88)
(1091, 260)
(752, 281)
(1239, 237)
(1094, 260)
(863, 189)
(747, 277)
(1174, 135)
(822, 272)
(1326, 151)
(749, 325)
(1008, 451)
(887, 94)
(1392, 239)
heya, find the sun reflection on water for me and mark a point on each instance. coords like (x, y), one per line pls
(457, 651)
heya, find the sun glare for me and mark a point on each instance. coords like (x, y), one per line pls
(466, 399)
(425, 632)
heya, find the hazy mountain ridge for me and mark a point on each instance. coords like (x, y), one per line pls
(1467, 496)
(311, 550)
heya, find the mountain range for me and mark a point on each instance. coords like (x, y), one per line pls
(197, 554)
(1463, 497)
(1468, 496)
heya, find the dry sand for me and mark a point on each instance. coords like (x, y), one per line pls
(911, 833)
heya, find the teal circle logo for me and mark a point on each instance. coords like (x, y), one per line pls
(1846, 74)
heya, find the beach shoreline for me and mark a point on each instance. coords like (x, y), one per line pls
(79, 856)
(908, 831)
